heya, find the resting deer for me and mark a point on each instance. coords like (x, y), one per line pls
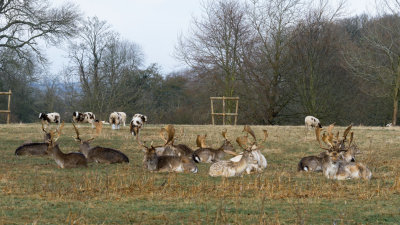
(37, 148)
(99, 154)
(210, 155)
(333, 165)
(69, 160)
(227, 168)
(166, 163)
(314, 163)
(261, 163)
(170, 148)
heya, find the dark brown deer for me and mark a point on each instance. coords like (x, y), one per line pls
(37, 148)
(211, 155)
(314, 163)
(69, 160)
(99, 154)
(170, 148)
(166, 163)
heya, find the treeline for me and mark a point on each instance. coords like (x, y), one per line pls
(285, 59)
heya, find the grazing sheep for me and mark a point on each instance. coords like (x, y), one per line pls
(86, 117)
(115, 119)
(53, 117)
(311, 121)
(136, 123)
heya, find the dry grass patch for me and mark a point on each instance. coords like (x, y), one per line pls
(124, 194)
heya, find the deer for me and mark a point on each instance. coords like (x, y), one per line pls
(333, 165)
(227, 168)
(314, 163)
(170, 148)
(166, 163)
(210, 155)
(37, 148)
(261, 163)
(64, 160)
(99, 154)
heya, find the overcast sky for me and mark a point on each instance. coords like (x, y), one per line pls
(155, 25)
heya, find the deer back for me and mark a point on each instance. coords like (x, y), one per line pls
(106, 155)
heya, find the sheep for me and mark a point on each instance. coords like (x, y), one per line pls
(311, 121)
(53, 117)
(116, 118)
(86, 117)
(136, 123)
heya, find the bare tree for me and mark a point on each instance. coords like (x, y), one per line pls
(25, 22)
(215, 41)
(314, 51)
(267, 62)
(376, 59)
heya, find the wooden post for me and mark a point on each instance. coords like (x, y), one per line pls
(212, 112)
(223, 113)
(8, 111)
(223, 110)
(9, 107)
(237, 109)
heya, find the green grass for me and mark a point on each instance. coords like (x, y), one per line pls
(33, 190)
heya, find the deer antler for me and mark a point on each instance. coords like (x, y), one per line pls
(242, 141)
(59, 129)
(43, 129)
(317, 135)
(330, 134)
(170, 130)
(201, 141)
(351, 138)
(224, 131)
(250, 131)
(265, 135)
(346, 132)
(99, 127)
(77, 133)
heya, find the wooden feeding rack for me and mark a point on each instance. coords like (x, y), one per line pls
(224, 114)
(8, 111)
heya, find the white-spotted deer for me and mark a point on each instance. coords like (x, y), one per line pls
(166, 163)
(99, 154)
(333, 164)
(64, 160)
(261, 161)
(210, 155)
(228, 168)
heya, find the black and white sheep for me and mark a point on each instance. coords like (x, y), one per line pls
(311, 121)
(136, 123)
(86, 117)
(53, 117)
(116, 119)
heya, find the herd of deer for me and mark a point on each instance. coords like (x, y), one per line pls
(336, 162)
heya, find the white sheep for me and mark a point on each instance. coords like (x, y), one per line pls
(115, 120)
(86, 117)
(311, 121)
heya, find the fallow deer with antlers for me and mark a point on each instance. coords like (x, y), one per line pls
(333, 165)
(227, 168)
(210, 155)
(99, 154)
(314, 163)
(166, 163)
(37, 148)
(261, 163)
(64, 160)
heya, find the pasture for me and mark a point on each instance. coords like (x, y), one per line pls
(34, 191)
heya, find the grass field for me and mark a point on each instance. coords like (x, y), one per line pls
(33, 190)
